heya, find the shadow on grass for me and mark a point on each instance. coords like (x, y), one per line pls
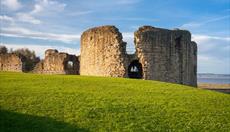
(16, 122)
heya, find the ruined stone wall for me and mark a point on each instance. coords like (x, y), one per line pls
(166, 55)
(10, 62)
(58, 63)
(103, 52)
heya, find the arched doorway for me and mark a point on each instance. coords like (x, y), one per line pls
(135, 70)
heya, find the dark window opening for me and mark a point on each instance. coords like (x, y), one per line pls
(135, 70)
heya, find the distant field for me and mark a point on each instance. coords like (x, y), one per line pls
(31, 102)
(225, 88)
(214, 86)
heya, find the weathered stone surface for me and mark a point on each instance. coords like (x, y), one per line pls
(102, 52)
(161, 54)
(58, 63)
(11, 62)
(166, 55)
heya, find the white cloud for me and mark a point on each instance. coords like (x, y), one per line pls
(26, 33)
(24, 17)
(12, 4)
(79, 13)
(198, 24)
(128, 35)
(37, 8)
(210, 64)
(213, 53)
(6, 18)
(191, 25)
(129, 38)
(207, 43)
(20, 17)
(41, 7)
(45, 7)
(203, 38)
(40, 49)
(204, 58)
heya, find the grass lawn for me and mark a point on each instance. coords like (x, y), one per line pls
(32, 102)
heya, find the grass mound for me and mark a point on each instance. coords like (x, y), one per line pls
(31, 102)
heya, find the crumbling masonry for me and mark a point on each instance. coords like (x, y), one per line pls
(11, 62)
(57, 63)
(161, 54)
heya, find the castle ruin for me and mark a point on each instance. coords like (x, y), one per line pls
(160, 54)
(57, 63)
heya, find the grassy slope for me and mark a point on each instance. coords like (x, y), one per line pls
(31, 102)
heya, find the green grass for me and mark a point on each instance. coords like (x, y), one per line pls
(31, 102)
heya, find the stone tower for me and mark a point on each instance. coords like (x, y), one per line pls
(102, 52)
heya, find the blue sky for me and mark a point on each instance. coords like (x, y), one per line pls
(43, 24)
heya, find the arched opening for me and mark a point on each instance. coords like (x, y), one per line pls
(135, 70)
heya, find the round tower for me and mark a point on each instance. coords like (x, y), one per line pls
(102, 52)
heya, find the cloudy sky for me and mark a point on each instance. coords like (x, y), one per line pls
(43, 24)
